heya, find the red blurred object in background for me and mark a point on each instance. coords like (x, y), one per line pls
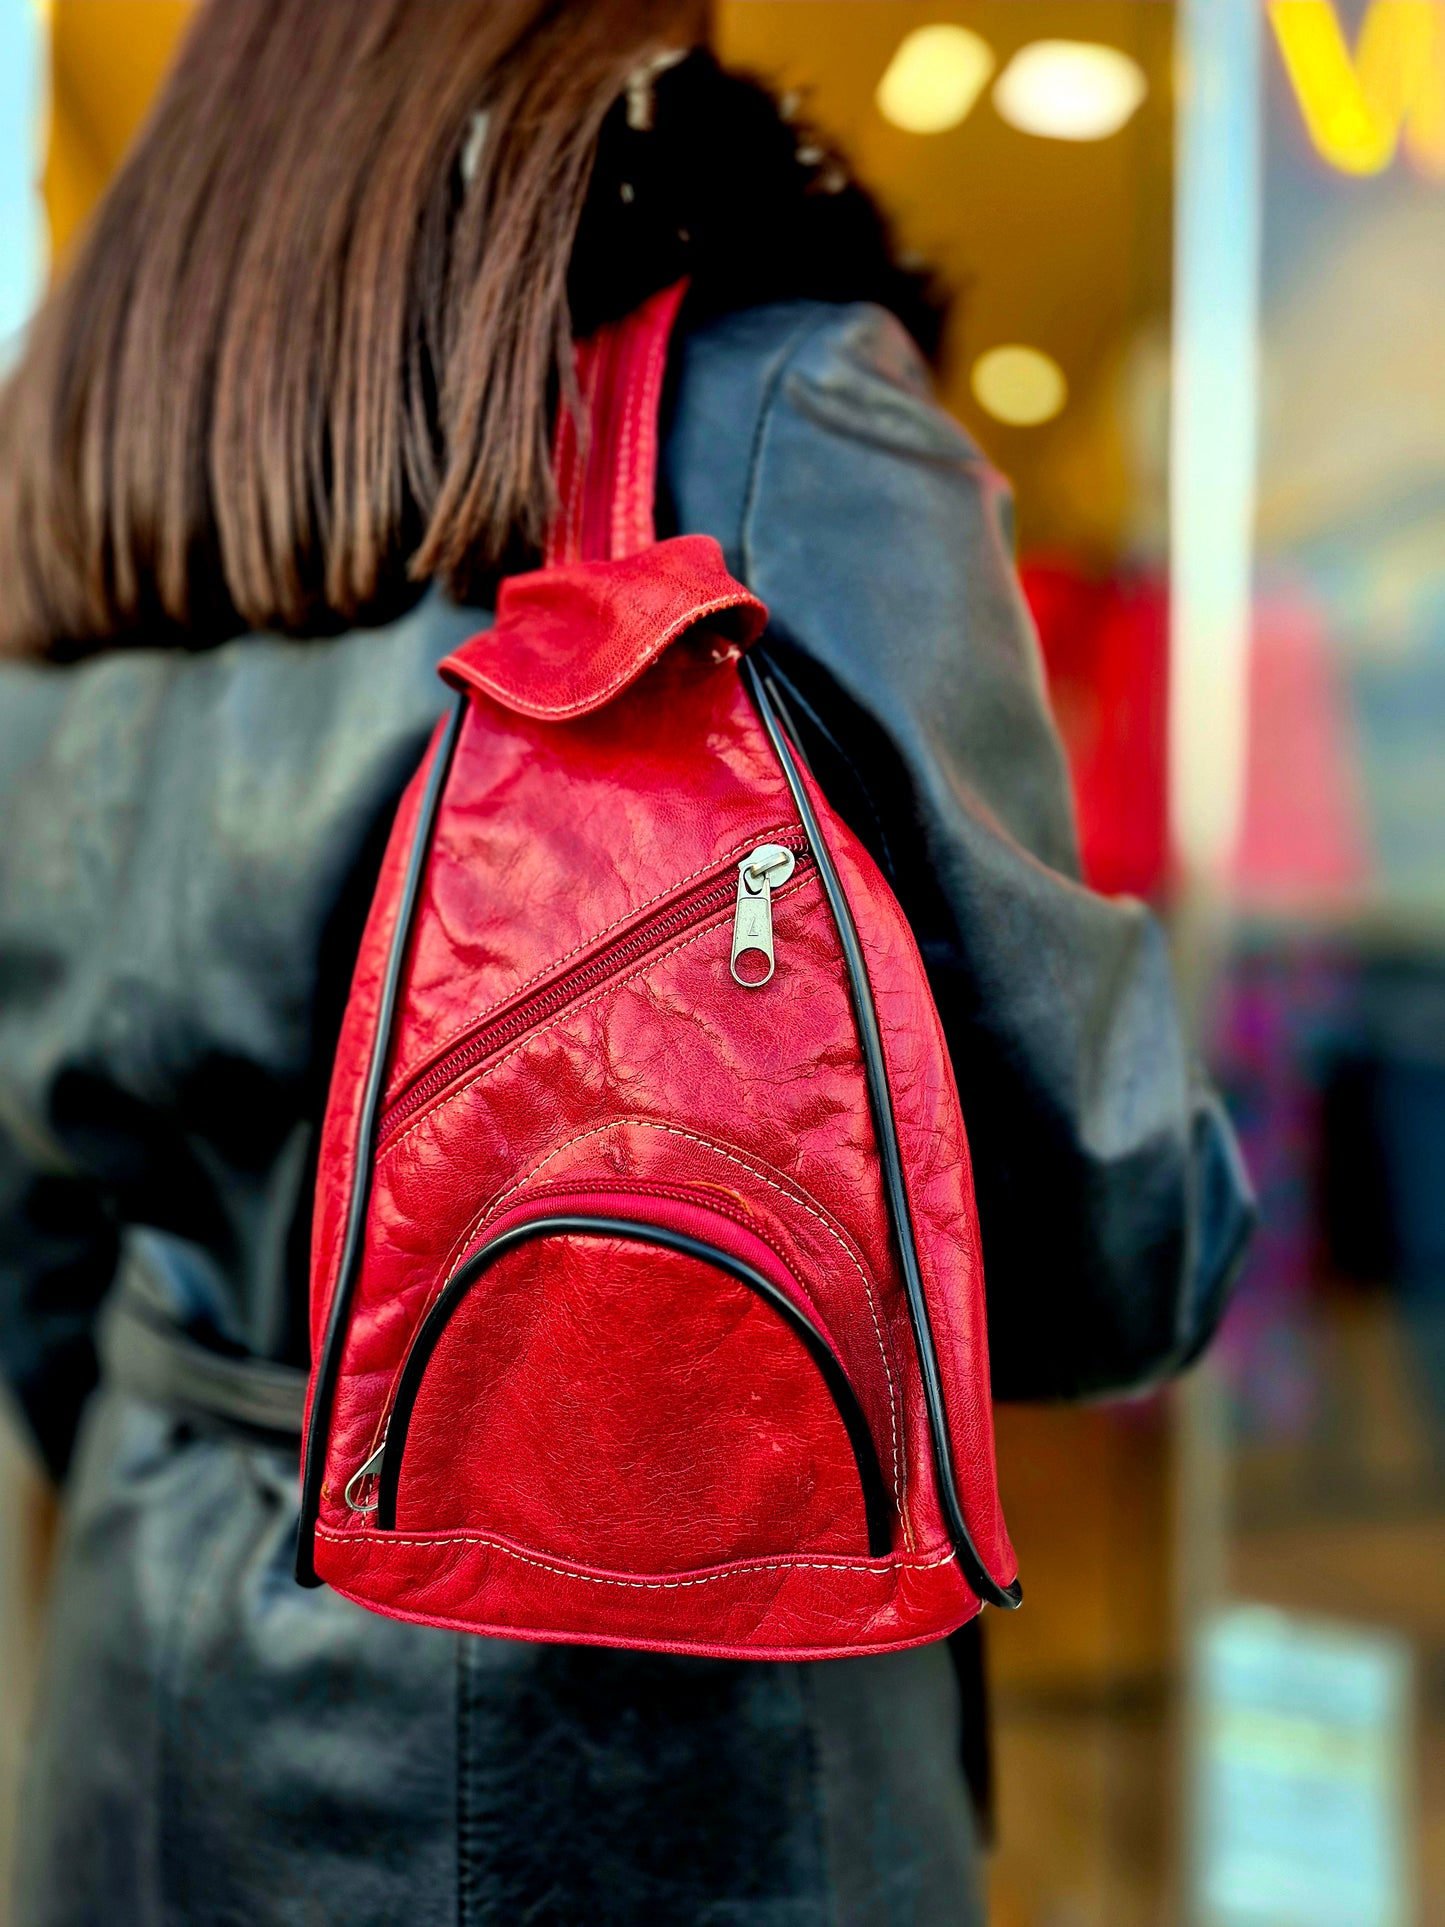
(1106, 649)
(1304, 844)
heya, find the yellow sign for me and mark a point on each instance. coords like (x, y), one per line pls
(106, 61)
(1360, 107)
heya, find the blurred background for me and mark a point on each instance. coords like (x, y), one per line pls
(1198, 252)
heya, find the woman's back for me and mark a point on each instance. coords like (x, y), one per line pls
(189, 846)
(201, 833)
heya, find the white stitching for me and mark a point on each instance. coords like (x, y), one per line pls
(598, 936)
(626, 487)
(576, 1010)
(573, 1010)
(376, 1541)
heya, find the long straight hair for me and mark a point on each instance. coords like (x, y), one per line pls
(307, 354)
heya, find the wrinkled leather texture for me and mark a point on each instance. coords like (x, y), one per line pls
(567, 640)
(583, 865)
(187, 849)
(619, 1354)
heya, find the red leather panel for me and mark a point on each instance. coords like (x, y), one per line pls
(337, 1156)
(644, 1412)
(939, 1176)
(815, 1606)
(672, 1080)
(535, 862)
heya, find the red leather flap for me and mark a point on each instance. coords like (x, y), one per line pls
(567, 640)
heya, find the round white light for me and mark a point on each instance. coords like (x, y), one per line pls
(1018, 385)
(934, 79)
(1069, 90)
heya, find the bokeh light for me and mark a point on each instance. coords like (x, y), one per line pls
(1019, 385)
(1069, 90)
(934, 79)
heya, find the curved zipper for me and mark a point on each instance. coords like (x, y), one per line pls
(369, 1469)
(328, 1365)
(386, 1461)
(526, 1013)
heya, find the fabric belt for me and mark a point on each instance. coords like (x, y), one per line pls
(143, 1355)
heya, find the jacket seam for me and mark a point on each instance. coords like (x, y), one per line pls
(800, 337)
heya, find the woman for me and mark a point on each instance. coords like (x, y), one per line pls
(300, 380)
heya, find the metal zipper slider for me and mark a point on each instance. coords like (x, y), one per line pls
(368, 1470)
(760, 873)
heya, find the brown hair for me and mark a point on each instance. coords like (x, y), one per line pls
(300, 363)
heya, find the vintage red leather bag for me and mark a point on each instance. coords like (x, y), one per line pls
(647, 1303)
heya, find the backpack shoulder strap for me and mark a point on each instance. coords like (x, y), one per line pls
(605, 452)
(609, 598)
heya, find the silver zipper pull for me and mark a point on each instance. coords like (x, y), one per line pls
(760, 873)
(368, 1470)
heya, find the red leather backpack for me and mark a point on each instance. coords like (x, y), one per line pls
(647, 1303)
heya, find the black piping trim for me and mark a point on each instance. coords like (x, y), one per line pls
(328, 1372)
(895, 1189)
(572, 1225)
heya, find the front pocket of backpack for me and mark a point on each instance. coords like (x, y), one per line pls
(631, 1385)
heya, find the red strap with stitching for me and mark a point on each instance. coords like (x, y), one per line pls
(606, 465)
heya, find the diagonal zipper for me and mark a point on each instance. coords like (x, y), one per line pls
(514, 1021)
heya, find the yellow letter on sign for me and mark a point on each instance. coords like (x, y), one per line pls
(1357, 107)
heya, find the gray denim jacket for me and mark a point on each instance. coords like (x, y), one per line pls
(186, 847)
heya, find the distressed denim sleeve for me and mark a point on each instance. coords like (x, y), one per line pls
(1111, 1196)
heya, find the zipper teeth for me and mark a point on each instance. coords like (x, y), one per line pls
(574, 983)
